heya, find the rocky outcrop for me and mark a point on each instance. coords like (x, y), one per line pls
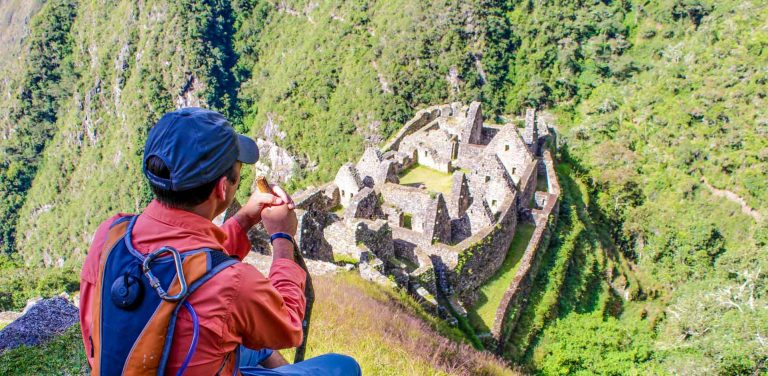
(274, 162)
(39, 323)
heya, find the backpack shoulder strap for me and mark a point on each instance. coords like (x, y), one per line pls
(117, 231)
(121, 220)
(216, 261)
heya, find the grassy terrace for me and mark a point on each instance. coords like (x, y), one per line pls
(435, 181)
(482, 315)
(541, 183)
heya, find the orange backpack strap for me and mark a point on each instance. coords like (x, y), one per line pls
(116, 233)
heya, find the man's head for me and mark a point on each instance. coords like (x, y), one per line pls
(193, 157)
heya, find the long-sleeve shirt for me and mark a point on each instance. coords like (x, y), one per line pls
(237, 306)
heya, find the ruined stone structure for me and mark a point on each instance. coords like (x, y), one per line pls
(494, 172)
(443, 245)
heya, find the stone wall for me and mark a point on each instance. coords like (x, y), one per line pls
(349, 182)
(530, 133)
(365, 204)
(472, 132)
(437, 223)
(421, 119)
(512, 151)
(468, 155)
(412, 201)
(341, 237)
(309, 234)
(553, 185)
(324, 197)
(458, 201)
(357, 236)
(515, 298)
(312, 211)
(482, 254)
(432, 146)
(376, 236)
(528, 185)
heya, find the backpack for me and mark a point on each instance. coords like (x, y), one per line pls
(137, 301)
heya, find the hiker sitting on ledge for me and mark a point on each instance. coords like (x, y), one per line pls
(164, 291)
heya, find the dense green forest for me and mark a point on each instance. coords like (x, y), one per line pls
(659, 262)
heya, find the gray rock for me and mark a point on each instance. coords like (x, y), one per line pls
(42, 321)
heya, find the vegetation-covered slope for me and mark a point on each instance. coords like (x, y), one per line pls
(661, 121)
(384, 330)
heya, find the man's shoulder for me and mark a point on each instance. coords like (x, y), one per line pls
(90, 267)
(107, 224)
(236, 277)
(243, 270)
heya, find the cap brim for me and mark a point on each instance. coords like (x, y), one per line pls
(249, 152)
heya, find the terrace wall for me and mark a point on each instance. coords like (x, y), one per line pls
(516, 297)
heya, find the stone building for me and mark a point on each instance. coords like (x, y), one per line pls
(432, 147)
(349, 183)
(513, 153)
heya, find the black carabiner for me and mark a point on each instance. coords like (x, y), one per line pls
(155, 283)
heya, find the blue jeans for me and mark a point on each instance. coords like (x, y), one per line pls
(323, 365)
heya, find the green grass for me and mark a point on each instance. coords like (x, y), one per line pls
(63, 355)
(484, 312)
(541, 183)
(434, 180)
(408, 221)
(338, 210)
(344, 259)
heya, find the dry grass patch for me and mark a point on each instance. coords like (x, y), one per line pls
(389, 334)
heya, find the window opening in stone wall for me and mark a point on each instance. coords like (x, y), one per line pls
(506, 147)
(493, 203)
(487, 179)
(408, 221)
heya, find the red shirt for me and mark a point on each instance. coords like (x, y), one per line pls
(237, 306)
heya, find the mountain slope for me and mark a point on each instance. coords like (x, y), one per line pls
(661, 125)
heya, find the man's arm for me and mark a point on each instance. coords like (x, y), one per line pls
(271, 316)
(267, 313)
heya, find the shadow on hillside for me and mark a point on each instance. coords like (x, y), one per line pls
(573, 267)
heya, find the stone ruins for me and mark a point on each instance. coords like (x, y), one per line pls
(440, 246)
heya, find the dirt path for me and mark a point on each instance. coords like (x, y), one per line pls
(731, 196)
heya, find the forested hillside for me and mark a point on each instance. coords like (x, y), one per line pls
(659, 260)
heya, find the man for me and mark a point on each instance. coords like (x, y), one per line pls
(192, 160)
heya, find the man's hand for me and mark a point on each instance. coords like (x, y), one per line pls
(280, 218)
(250, 214)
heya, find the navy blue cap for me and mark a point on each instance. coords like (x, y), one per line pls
(198, 146)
